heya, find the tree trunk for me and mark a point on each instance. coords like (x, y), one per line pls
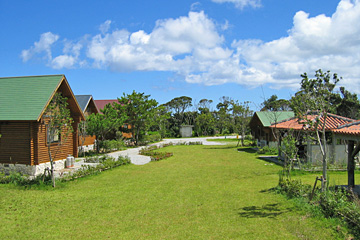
(324, 175)
(351, 165)
(51, 166)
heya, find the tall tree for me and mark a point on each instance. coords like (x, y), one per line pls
(58, 124)
(275, 104)
(101, 125)
(345, 104)
(242, 115)
(223, 114)
(314, 98)
(139, 110)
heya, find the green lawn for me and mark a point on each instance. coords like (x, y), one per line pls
(202, 192)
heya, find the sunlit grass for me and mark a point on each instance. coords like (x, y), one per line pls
(202, 192)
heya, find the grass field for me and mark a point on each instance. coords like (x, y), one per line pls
(202, 192)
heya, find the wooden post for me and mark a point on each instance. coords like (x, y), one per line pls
(351, 165)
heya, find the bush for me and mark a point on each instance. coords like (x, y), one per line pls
(105, 163)
(155, 156)
(112, 145)
(340, 204)
(268, 151)
(152, 137)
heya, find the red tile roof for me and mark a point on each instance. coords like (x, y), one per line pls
(332, 122)
(349, 129)
(102, 103)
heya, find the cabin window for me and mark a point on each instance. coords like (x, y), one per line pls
(53, 136)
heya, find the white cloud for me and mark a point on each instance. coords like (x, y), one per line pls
(330, 43)
(104, 28)
(173, 45)
(241, 3)
(193, 47)
(40, 47)
(70, 57)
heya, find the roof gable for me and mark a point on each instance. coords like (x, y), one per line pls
(26, 98)
(83, 101)
(269, 117)
(100, 104)
(86, 101)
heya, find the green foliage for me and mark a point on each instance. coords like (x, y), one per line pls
(275, 104)
(105, 163)
(153, 154)
(112, 145)
(101, 125)
(242, 115)
(294, 188)
(22, 180)
(267, 150)
(152, 137)
(339, 203)
(139, 111)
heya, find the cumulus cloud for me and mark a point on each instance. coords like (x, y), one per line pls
(105, 26)
(43, 46)
(330, 43)
(193, 47)
(241, 3)
(173, 45)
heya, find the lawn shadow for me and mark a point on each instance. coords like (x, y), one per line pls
(221, 147)
(247, 150)
(271, 159)
(266, 211)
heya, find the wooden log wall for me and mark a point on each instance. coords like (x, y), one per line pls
(15, 142)
(58, 152)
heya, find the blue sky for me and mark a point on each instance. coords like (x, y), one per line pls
(244, 49)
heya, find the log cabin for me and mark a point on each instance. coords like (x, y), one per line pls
(24, 138)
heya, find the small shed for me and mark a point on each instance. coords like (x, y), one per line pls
(23, 142)
(186, 131)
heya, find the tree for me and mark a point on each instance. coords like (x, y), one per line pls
(345, 104)
(204, 123)
(275, 104)
(223, 114)
(313, 98)
(58, 124)
(204, 105)
(138, 110)
(242, 115)
(160, 121)
(101, 125)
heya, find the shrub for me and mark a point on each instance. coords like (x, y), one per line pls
(152, 137)
(340, 203)
(268, 151)
(155, 156)
(112, 145)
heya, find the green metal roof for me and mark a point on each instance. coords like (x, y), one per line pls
(269, 117)
(24, 98)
